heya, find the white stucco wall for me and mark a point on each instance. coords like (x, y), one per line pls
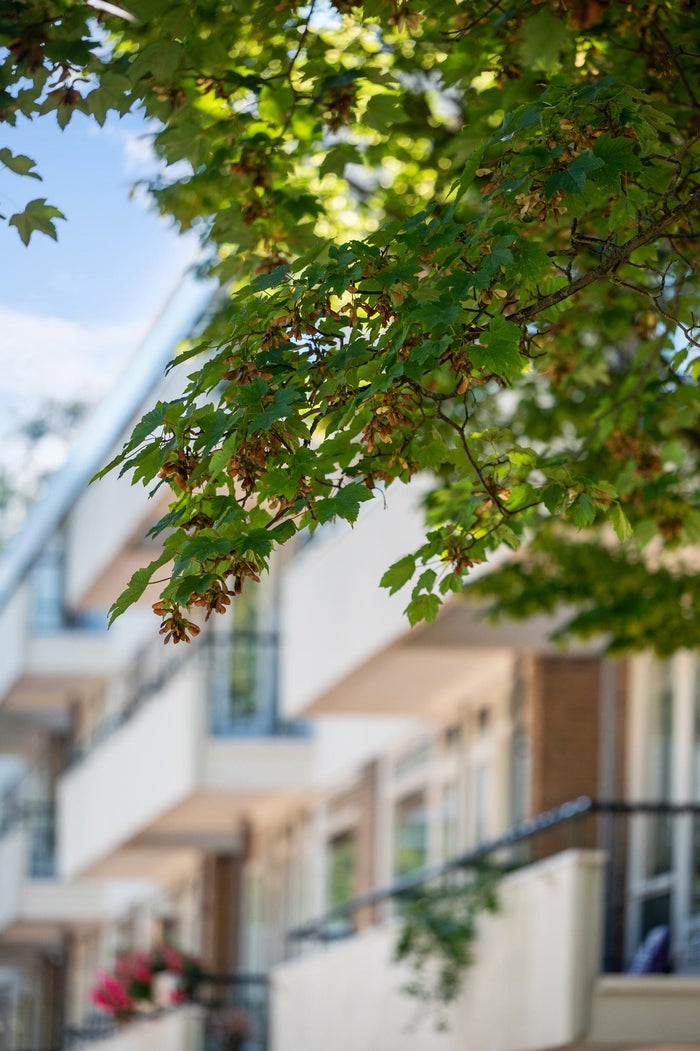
(653, 1007)
(147, 766)
(245, 765)
(529, 988)
(74, 653)
(42, 903)
(344, 743)
(334, 614)
(163, 768)
(180, 1030)
(96, 536)
(56, 902)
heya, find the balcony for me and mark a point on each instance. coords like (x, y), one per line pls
(180, 1030)
(228, 1012)
(348, 647)
(35, 907)
(45, 669)
(538, 977)
(180, 766)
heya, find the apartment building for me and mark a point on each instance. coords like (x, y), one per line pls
(264, 797)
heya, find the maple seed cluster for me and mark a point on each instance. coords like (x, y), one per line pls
(248, 465)
(215, 599)
(338, 105)
(178, 466)
(174, 625)
(393, 412)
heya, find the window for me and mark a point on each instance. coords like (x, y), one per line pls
(342, 869)
(245, 667)
(410, 834)
(48, 612)
(521, 776)
(167, 930)
(47, 588)
(482, 791)
(659, 772)
(450, 820)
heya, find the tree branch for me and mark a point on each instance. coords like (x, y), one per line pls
(613, 258)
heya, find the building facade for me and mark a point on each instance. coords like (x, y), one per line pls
(264, 798)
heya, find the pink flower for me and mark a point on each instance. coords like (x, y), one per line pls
(172, 959)
(111, 996)
(142, 974)
(99, 998)
(132, 980)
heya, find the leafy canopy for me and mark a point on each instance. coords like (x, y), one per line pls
(455, 238)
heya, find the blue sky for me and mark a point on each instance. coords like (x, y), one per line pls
(73, 311)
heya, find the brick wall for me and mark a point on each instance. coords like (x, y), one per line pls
(565, 714)
(367, 833)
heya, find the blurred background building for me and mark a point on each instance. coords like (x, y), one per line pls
(265, 796)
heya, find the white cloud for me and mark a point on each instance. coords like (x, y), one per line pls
(139, 158)
(140, 161)
(52, 357)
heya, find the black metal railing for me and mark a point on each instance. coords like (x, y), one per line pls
(240, 683)
(12, 802)
(236, 1012)
(18, 809)
(148, 673)
(234, 1008)
(650, 828)
(96, 1027)
(243, 689)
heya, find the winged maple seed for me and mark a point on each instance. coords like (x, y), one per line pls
(174, 625)
(215, 599)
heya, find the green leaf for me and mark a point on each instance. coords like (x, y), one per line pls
(470, 169)
(500, 353)
(522, 496)
(274, 279)
(37, 217)
(530, 263)
(276, 103)
(582, 511)
(423, 607)
(425, 582)
(573, 178)
(18, 163)
(281, 406)
(159, 60)
(552, 496)
(398, 574)
(545, 36)
(345, 504)
(619, 154)
(620, 523)
(136, 586)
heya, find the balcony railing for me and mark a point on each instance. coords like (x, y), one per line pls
(236, 1012)
(240, 684)
(234, 1016)
(652, 852)
(37, 817)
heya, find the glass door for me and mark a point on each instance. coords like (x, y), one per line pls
(651, 837)
(663, 884)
